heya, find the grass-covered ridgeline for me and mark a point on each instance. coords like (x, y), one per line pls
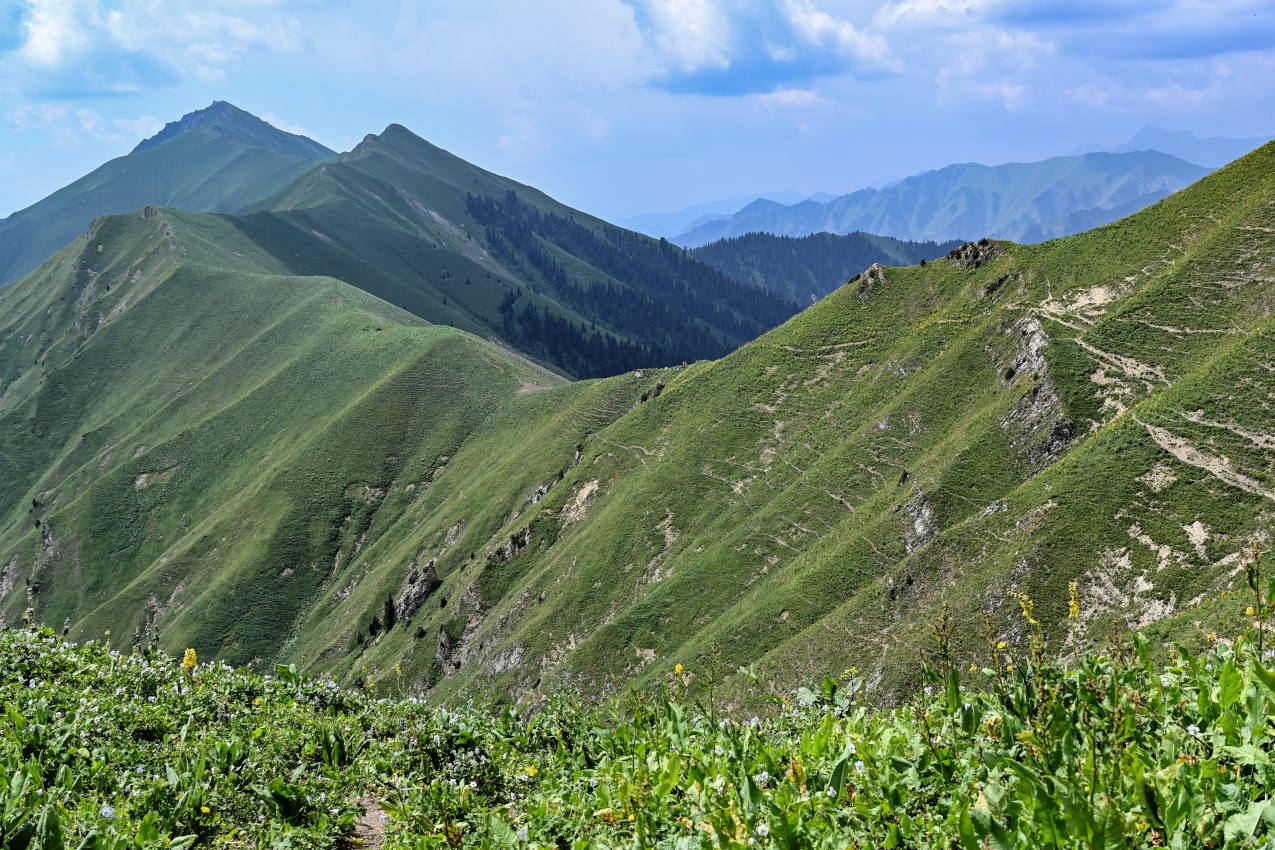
(1124, 747)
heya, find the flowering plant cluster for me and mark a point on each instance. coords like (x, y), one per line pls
(1113, 748)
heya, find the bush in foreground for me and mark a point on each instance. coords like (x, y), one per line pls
(1108, 750)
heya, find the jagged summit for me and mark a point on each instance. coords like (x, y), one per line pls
(229, 120)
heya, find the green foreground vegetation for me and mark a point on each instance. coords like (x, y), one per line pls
(1110, 749)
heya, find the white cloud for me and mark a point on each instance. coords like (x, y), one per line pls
(73, 47)
(65, 126)
(284, 124)
(141, 127)
(818, 27)
(524, 137)
(690, 34)
(924, 13)
(1004, 68)
(55, 29)
(790, 98)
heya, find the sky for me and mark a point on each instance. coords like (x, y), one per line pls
(621, 107)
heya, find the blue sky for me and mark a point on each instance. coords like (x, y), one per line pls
(628, 106)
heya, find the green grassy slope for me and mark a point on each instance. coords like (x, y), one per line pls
(217, 159)
(1005, 420)
(1094, 409)
(806, 268)
(197, 443)
(458, 245)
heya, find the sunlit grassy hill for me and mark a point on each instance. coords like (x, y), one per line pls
(455, 244)
(192, 445)
(219, 158)
(200, 443)
(1008, 420)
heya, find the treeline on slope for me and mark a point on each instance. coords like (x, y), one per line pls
(806, 268)
(680, 309)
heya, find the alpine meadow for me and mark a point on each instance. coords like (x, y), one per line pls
(376, 499)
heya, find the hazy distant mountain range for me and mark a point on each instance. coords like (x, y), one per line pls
(1026, 202)
(1211, 152)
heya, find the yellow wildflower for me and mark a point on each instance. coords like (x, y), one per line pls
(1249, 612)
(678, 669)
(188, 660)
(107, 632)
(398, 669)
(531, 770)
(205, 809)
(1001, 645)
(1073, 601)
(257, 701)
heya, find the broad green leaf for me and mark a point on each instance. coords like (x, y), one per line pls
(1230, 685)
(1245, 822)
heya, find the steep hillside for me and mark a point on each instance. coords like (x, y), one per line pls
(218, 159)
(187, 443)
(981, 430)
(806, 268)
(1004, 421)
(1029, 202)
(454, 244)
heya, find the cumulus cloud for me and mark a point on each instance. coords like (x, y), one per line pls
(73, 127)
(69, 49)
(284, 124)
(791, 98)
(716, 47)
(1003, 68)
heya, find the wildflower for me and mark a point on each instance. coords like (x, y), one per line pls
(1212, 637)
(1249, 612)
(1073, 601)
(189, 660)
(531, 770)
(398, 669)
(1001, 645)
(678, 669)
(522, 833)
(973, 668)
(1025, 602)
(107, 632)
(760, 778)
(858, 765)
(763, 829)
(832, 792)
(205, 809)
(107, 812)
(257, 701)
(1193, 730)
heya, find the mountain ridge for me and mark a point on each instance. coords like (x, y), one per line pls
(1001, 422)
(228, 120)
(1029, 201)
(218, 161)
